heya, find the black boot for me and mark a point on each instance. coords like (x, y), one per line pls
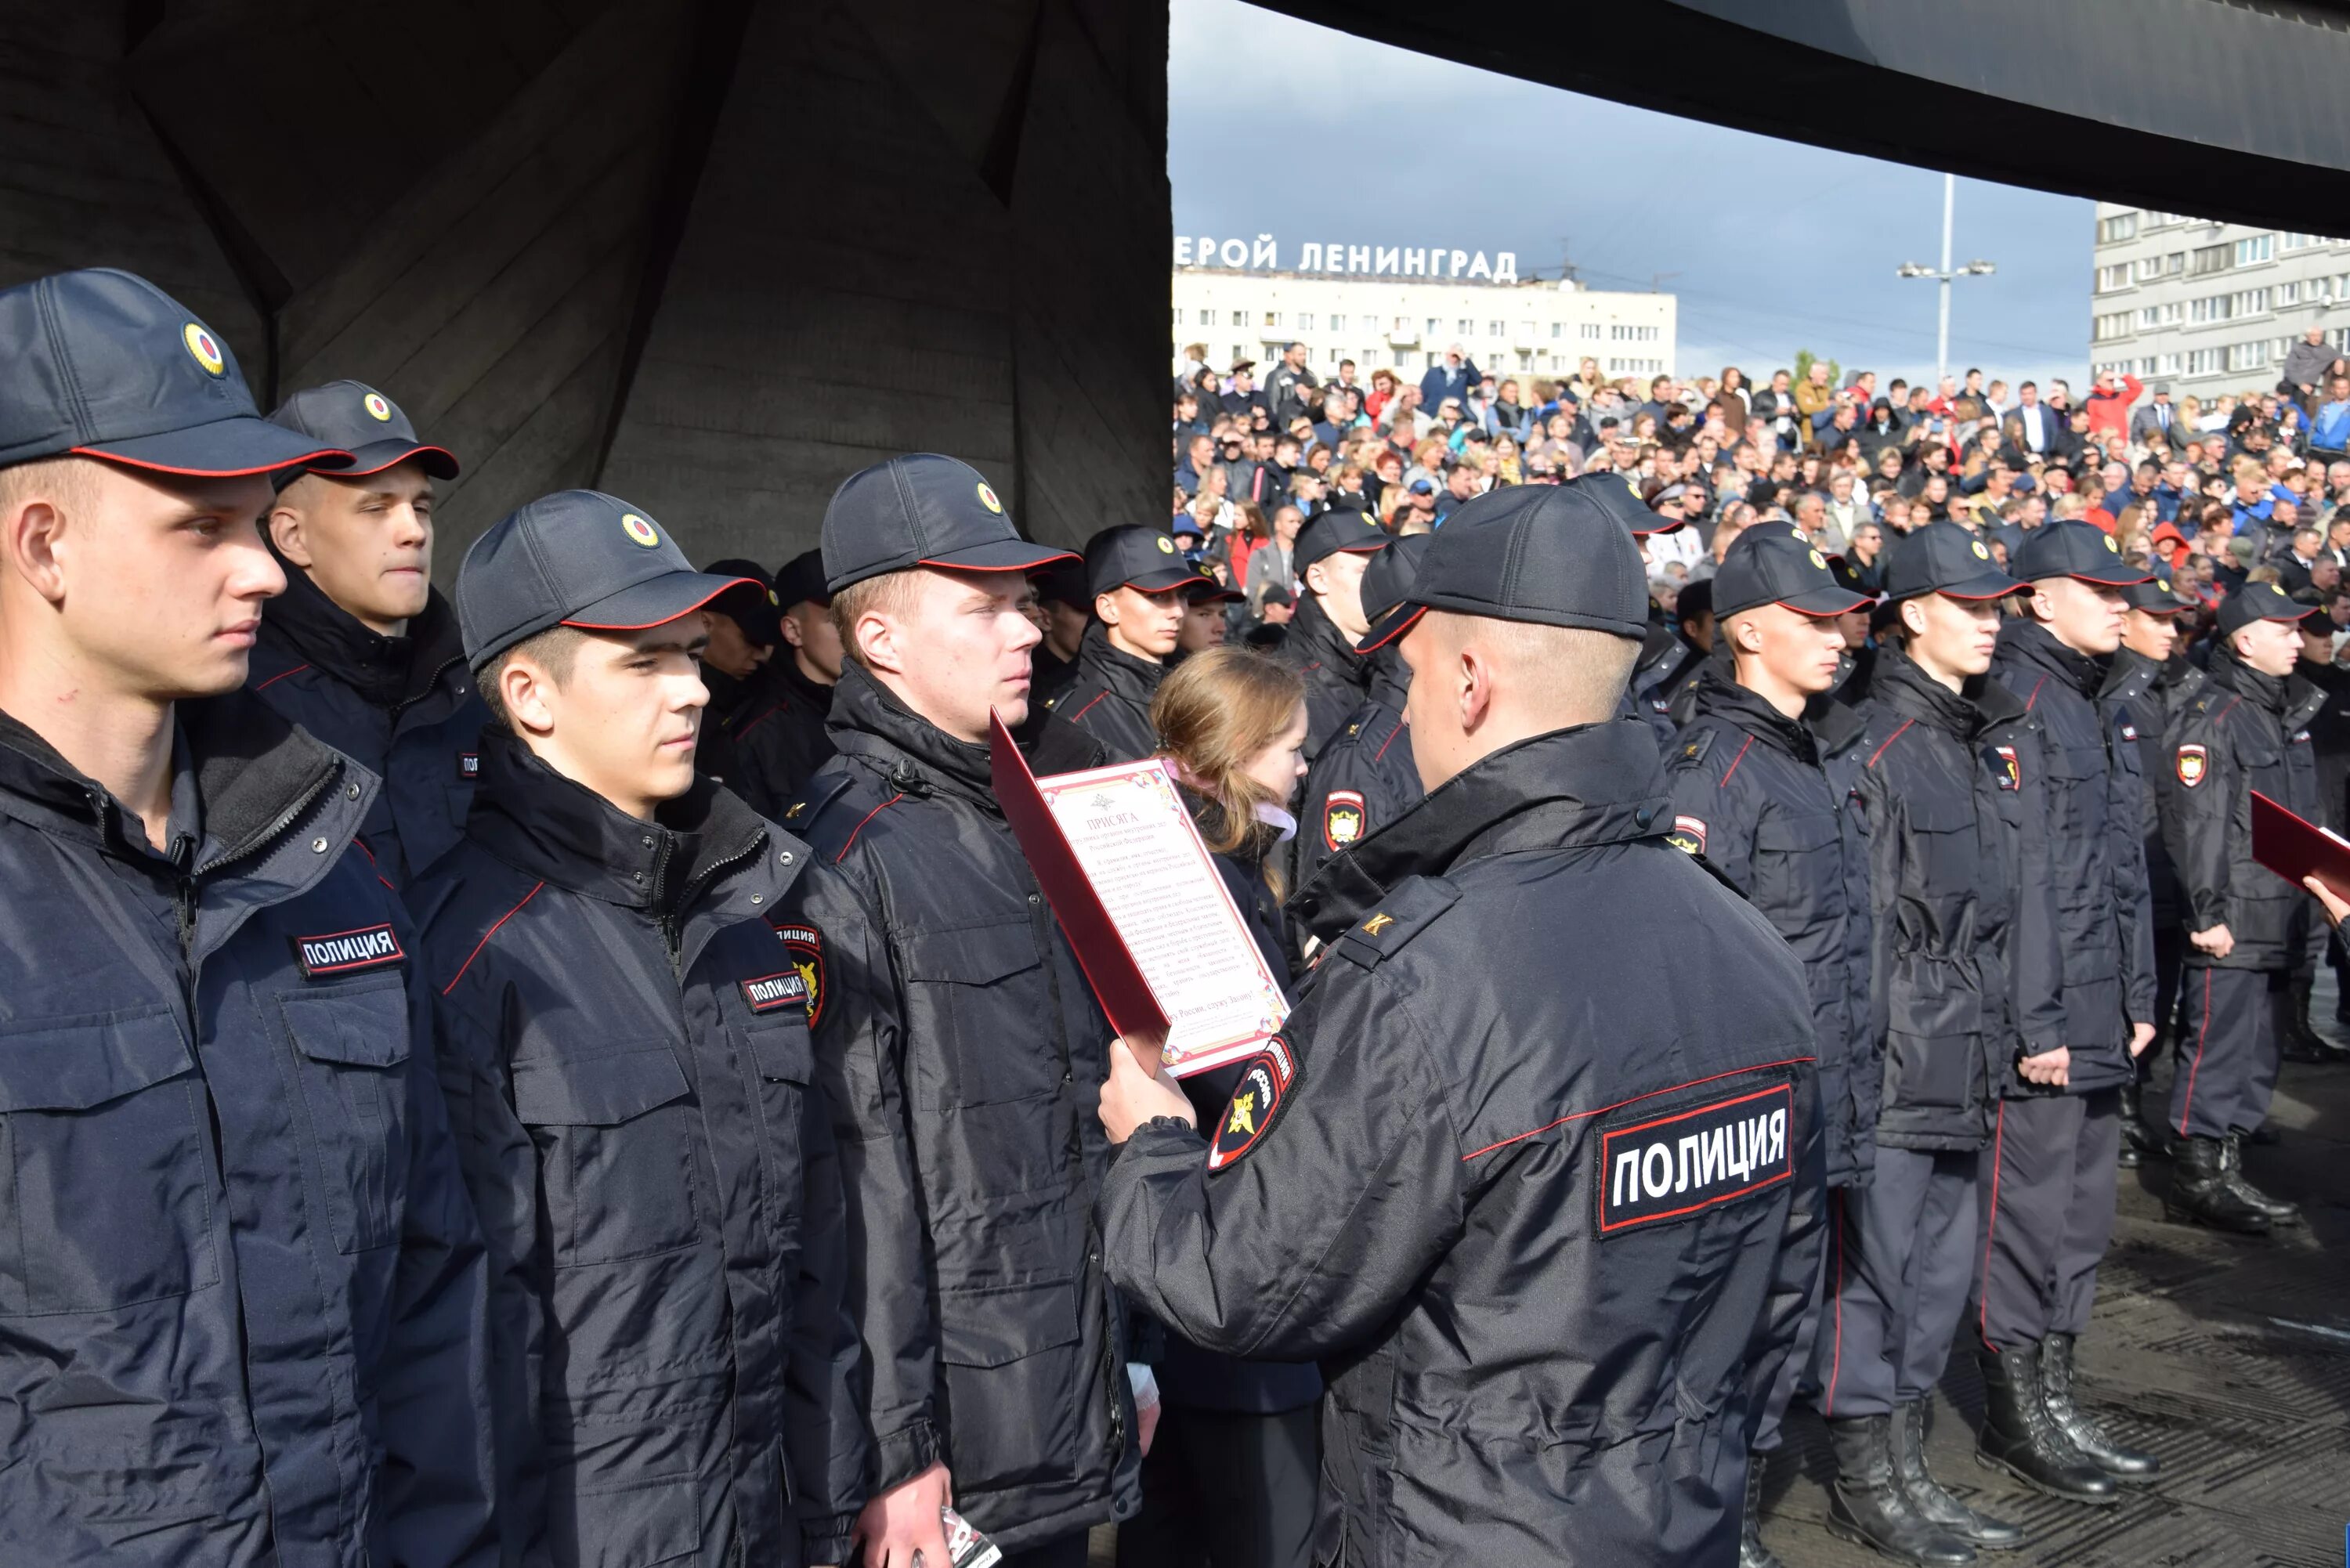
(1927, 1494)
(1751, 1552)
(2299, 1042)
(2018, 1437)
(2138, 1141)
(1866, 1503)
(2282, 1215)
(2200, 1191)
(2128, 1466)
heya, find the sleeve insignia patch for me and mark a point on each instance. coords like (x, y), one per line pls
(2192, 761)
(1264, 1087)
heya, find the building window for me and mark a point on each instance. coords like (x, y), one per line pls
(1306, 321)
(1337, 324)
(2110, 278)
(2249, 302)
(2255, 248)
(1591, 332)
(1207, 319)
(2166, 365)
(2118, 324)
(2209, 259)
(2203, 363)
(2149, 268)
(1464, 326)
(1337, 357)
(2302, 242)
(1494, 330)
(2148, 315)
(2287, 293)
(2120, 227)
(1272, 318)
(1558, 329)
(1240, 319)
(1434, 326)
(2248, 356)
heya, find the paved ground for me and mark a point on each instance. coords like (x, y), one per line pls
(2229, 1358)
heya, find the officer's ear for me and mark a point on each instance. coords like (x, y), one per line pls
(285, 522)
(37, 501)
(795, 634)
(1106, 609)
(1913, 616)
(1746, 634)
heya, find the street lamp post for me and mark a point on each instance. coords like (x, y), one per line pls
(1943, 274)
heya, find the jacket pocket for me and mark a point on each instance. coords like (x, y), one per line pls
(627, 1526)
(782, 1065)
(615, 1151)
(1932, 1071)
(105, 1183)
(1794, 883)
(980, 992)
(353, 1044)
(1010, 1366)
(1948, 849)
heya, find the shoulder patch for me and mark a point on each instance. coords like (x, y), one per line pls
(2192, 762)
(1652, 1169)
(805, 946)
(1265, 1086)
(1694, 745)
(1688, 834)
(2005, 769)
(1345, 819)
(1388, 925)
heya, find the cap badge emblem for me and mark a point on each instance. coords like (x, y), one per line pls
(377, 407)
(773, 600)
(987, 499)
(1819, 560)
(1166, 545)
(2117, 549)
(1980, 553)
(642, 531)
(206, 352)
(1799, 536)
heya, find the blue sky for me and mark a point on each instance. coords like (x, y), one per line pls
(1277, 126)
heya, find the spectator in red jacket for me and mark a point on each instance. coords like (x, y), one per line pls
(2109, 403)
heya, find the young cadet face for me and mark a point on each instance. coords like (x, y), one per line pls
(1203, 627)
(808, 631)
(1797, 651)
(2149, 636)
(366, 542)
(2085, 616)
(1148, 625)
(156, 582)
(2271, 647)
(1337, 577)
(730, 651)
(624, 721)
(1952, 636)
(957, 646)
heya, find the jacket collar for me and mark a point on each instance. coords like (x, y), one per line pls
(2030, 643)
(547, 826)
(2128, 676)
(389, 671)
(1719, 695)
(1910, 692)
(1318, 640)
(917, 758)
(1569, 789)
(1390, 677)
(2294, 699)
(1119, 673)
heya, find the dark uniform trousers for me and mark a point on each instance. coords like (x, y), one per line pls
(1199, 1459)
(1900, 1256)
(2046, 1203)
(2228, 1051)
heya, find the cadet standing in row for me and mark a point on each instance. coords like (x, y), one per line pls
(1329, 558)
(2046, 1194)
(1365, 777)
(2249, 930)
(780, 740)
(1964, 979)
(1137, 579)
(362, 650)
(1548, 1236)
(241, 1290)
(626, 1050)
(963, 1076)
(1762, 783)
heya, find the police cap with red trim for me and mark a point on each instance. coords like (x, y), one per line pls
(921, 510)
(361, 421)
(103, 364)
(1551, 554)
(583, 558)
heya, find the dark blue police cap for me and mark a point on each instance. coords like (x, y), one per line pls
(104, 364)
(582, 558)
(1944, 558)
(761, 618)
(1388, 582)
(367, 424)
(800, 581)
(1341, 529)
(2160, 594)
(1552, 555)
(2072, 548)
(921, 510)
(1777, 563)
(1135, 555)
(2258, 601)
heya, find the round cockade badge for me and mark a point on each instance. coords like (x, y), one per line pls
(377, 406)
(203, 350)
(642, 531)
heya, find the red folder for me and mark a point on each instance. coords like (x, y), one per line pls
(2295, 848)
(1124, 996)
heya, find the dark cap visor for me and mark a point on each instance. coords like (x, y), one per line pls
(663, 600)
(1158, 581)
(2120, 575)
(1208, 591)
(1391, 627)
(1987, 586)
(223, 449)
(1818, 603)
(377, 456)
(998, 555)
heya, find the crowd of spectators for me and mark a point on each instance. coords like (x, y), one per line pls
(2252, 485)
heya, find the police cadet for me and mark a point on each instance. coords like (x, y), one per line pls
(1963, 978)
(1649, 694)
(2142, 680)
(1207, 606)
(964, 1088)
(1543, 1233)
(1365, 777)
(1762, 783)
(625, 1042)
(733, 660)
(240, 1293)
(362, 650)
(2046, 1192)
(1067, 609)
(781, 739)
(2248, 928)
(1329, 558)
(1138, 579)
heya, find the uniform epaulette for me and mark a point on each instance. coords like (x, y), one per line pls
(1694, 744)
(801, 816)
(1396, 918)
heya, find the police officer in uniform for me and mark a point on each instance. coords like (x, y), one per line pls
(970, 1046)
(1487, 1191)
(1365, 778)
(1068, 609)
(780, 739)
(1139, 580)
(1964, 978)
(626, 1043)
(362, 650)
(1330, 556)
(2141, 681)
(241, 1290)
(2046, 1192)
(735, 660)
(2248, 929)
(1762, 783)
